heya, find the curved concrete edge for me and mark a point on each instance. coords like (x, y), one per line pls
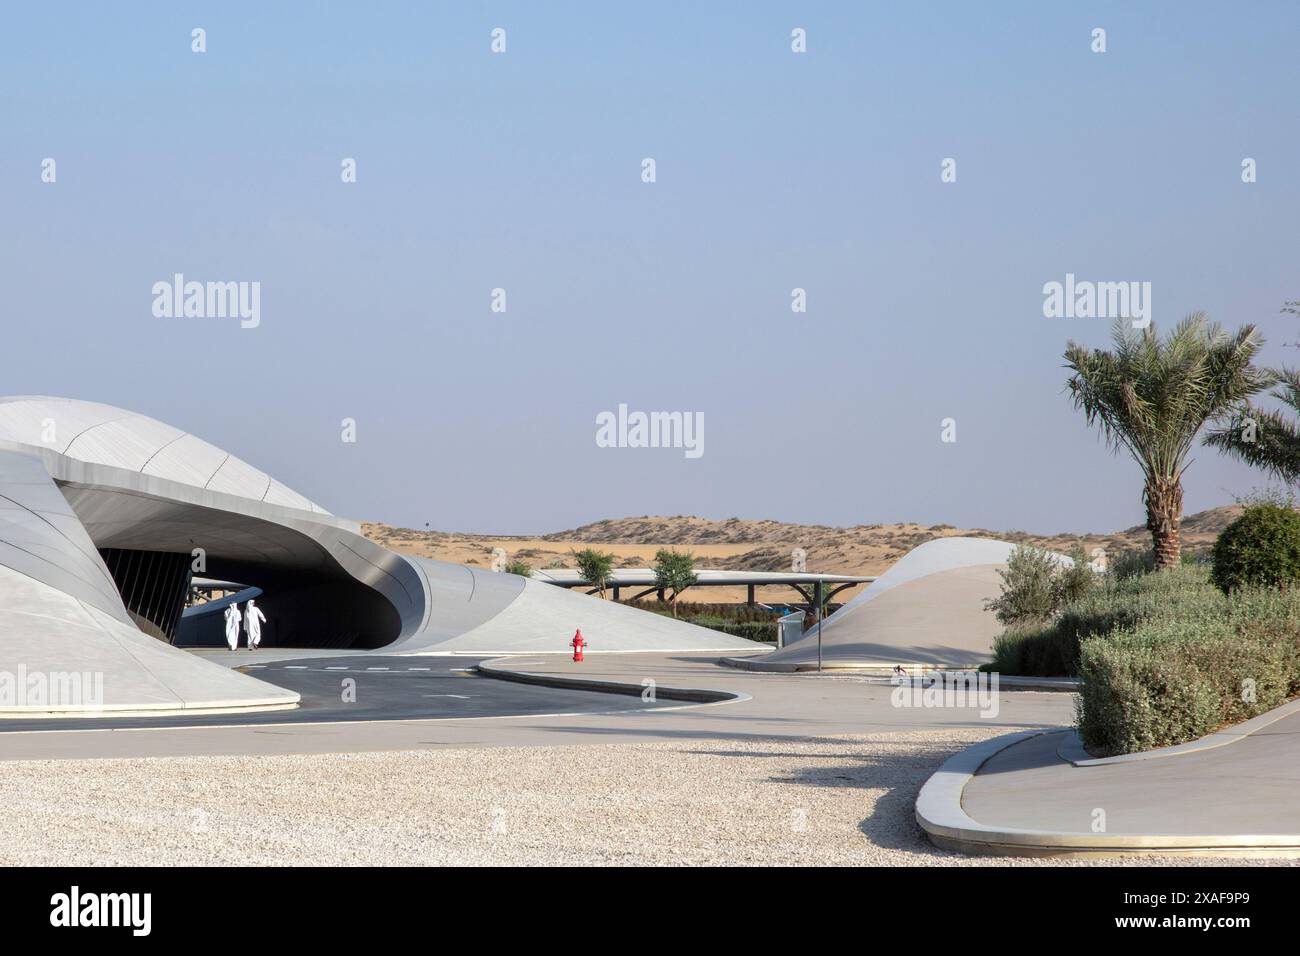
(939, 813)
(690, 694)
(507, 652)
(803, 667)
(145, 710)
(1072, 749)
(1005, 681)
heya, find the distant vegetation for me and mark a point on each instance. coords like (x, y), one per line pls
(738, 620)
(518, 566)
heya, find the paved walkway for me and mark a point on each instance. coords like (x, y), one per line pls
(1251, 786)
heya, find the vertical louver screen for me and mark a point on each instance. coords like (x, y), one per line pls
(153, 585)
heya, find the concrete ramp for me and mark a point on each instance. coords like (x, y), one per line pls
(927, 610)
(480, 612)
(59, 655)
(67, 643)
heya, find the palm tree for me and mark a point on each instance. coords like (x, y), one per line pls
(1267, 440)
(1151, 397)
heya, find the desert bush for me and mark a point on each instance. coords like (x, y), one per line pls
(1165, 658)
(750, 630)
(1051, 648)
(721, 613)
(1131, 563)
(518, 566)
(1072, 581)
(1035, 585)
(1259, 549)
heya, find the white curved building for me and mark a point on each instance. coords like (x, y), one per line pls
(926, 610)
(104, 512)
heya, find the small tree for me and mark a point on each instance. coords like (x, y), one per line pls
(595, 567)
(675, 572)
(520, 567)
(1028, 595)
(1036, 585)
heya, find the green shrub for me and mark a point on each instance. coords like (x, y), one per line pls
(1165, 658)
(1167, 682)
(1051, 649)
(1042, 650)
(1259, 549)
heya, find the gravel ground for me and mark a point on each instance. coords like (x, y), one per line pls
(840, 800)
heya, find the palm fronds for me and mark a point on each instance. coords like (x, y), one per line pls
(1152, 396)
(1268, 440)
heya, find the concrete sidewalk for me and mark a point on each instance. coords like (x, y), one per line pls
(1028, 797)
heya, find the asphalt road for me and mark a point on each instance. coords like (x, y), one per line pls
(373, 687)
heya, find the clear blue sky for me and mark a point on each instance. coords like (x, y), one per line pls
(522, 171)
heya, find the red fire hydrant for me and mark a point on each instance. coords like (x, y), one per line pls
(577, 644)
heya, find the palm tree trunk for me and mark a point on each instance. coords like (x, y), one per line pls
(1164, 501)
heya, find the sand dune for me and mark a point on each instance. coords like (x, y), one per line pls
(756, 545)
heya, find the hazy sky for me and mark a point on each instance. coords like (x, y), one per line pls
(523, 171)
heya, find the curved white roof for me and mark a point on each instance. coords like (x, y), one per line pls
(931, 557)
(104, 435)
(927, 609)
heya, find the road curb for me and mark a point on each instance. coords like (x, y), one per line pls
(690, 694)
(940, 814)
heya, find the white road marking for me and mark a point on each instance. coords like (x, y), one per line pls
(417, 668)
(295, 667)
(376, 668)
(336, 668)
(457, 696)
